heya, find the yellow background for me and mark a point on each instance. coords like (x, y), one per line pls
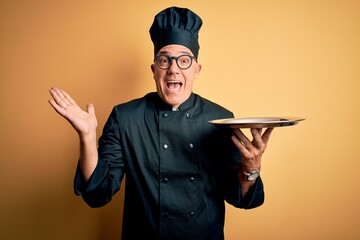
(260, 58)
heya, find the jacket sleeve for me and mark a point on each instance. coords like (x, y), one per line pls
(233, 192)
(254, 197)
(109, 172)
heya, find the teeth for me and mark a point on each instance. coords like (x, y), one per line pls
(174, 82)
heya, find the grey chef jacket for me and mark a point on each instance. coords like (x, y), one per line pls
(179, 169)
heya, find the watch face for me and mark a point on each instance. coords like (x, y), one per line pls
(253, 176)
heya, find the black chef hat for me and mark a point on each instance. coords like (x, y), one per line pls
(176, 25)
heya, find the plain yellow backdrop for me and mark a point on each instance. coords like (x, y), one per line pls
(259, 58)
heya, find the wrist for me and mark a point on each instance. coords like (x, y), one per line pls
(88, 137)
(249, 174)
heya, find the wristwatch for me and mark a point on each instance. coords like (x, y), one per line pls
(252, 175)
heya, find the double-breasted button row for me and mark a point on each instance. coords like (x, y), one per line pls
(165, 213)
(165, 179)
(165, 146)
(165, 115)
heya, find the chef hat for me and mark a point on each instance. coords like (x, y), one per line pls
(176, 25)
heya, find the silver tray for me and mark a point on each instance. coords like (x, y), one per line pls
(257, 122)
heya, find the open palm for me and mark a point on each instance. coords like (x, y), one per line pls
(84, 122)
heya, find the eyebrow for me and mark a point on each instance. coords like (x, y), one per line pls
(166, 52)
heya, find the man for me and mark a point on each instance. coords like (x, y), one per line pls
(179, 168)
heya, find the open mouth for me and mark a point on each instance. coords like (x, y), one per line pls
(174, 85)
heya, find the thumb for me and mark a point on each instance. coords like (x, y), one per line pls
(90, 109)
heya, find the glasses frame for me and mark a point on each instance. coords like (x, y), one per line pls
(176, 60)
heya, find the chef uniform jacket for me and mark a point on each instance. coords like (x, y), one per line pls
(179, 169)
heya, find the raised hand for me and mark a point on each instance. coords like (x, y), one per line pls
(252, 151)
(84, 122)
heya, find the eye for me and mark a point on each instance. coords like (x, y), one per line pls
(184, 60)
(163, 59)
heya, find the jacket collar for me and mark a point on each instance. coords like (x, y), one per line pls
(160, 105)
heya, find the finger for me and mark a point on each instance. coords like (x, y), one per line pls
(256, 133)
(240, 145)
(242, 137)
(54, 94)
(68, 97)
(90, 109)
(266, 136)
(56, 98)
(59, 97)
(243, 144)
(57, 108)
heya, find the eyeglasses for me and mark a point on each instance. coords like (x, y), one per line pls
(183, 61)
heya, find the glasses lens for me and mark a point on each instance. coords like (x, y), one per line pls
(163, 61)
(184, 61)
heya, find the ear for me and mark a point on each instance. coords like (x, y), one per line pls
(197, 71)
(153, 68)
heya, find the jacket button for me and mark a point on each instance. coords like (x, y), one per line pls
(191, 145)
(165, 146)
(165, 114)
(188, 115)
(192, 214)
(165, 180)
(191, 179)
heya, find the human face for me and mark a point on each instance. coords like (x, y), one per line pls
(174, 85)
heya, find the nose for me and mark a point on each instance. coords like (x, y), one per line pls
(173, 67)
